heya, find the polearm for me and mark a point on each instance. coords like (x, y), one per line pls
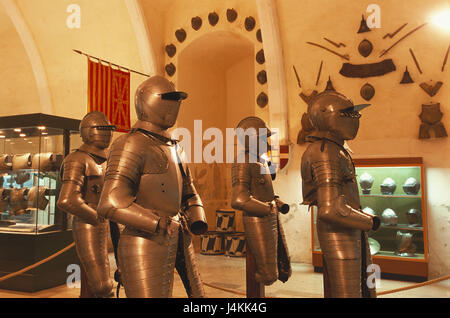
(117, 65)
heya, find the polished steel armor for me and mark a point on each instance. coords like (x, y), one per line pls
(82, 182)
(149, 189)
(329, 182)
(253, 194)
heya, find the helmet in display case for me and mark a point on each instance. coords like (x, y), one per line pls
(411, 186)
(404, 244)
(389, 217)
(413, 216)
(369, 210)
(388, 186)
(374, 246)
(366, 182)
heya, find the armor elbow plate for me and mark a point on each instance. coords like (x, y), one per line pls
(338, 212)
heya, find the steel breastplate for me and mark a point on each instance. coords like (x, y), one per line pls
(349, 184)
(261, 182)
(161, 183)
(94, 182)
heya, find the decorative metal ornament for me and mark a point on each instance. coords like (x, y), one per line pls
(367, 91)
(431, 90)
(231, 15)
(344, 56)
(260, 58)
(338, 45)
(170, 69)
(366, 182)
(389, 217)
(406, 79)
(171, 50)
(411, 186)
(388, 186)
(414, 217)
(180, 34)
(391, 35)
(431, 117)
(365, 48)
(213, 18)
(415, 61)
(250, 23)
(262, 100)
(367, 70)
(384, 52)
(259, 35)
(262, 77)
(363, 26)
(196, 23)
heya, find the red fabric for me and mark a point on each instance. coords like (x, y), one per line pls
(109, 93)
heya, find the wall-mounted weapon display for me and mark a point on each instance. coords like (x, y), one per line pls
(338, 45)
(445, 58)
(367, 91)
(431, 90)
(431, 117)
(384, 52)
(319, 73)
(406, 79)
(415, 61)
(363, 27)
(367, 70)
(344, 56)
(392, 34)
(365, 47)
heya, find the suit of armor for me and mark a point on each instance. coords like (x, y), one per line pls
(253, 194)
(329, 182)
(149, 189)
(82, 182)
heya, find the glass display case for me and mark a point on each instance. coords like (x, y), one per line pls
(29, 183)
(393, 189)
(32, 149)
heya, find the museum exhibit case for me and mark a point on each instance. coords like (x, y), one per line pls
(394, 190)
(32, 148)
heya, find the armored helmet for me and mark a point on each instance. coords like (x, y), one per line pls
(332, 113)
(411, 186)
(389, 217)
(366, 182)
(157, 101)
(255, 129)
(95, 129)
(388, 186)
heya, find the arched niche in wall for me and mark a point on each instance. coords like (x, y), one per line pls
(217, 58)
(217, 71)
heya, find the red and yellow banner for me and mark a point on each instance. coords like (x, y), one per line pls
(109, 93)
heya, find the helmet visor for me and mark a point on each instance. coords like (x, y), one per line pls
(105, 127)
(177, 96)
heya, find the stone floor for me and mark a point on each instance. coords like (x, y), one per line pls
(229, 273)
